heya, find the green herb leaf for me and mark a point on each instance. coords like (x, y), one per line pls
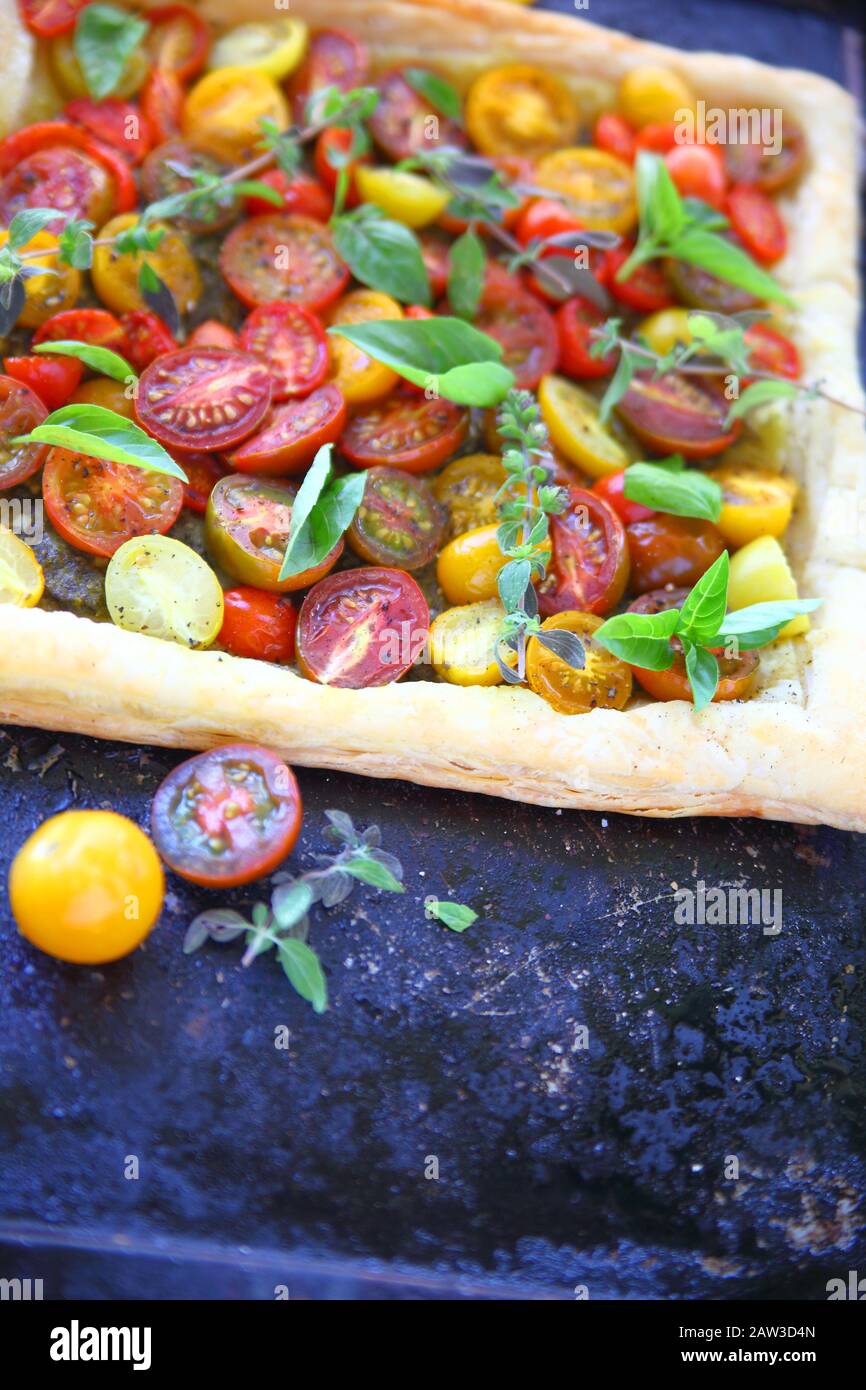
(685, 492)
(761, 623)
(466, 274)
(721, 257)
(383, 254)
(255, 188)
(455, 916)
(702, 669)
(512, 582)
(641, 639)
(98, 359)
(91, 429)
(446, 354)
(75, 244)
(322, 511)
(105, 39)
(759, 393)
(27, 223)
(372, 872)
(702, 613)
(441, 95)
(304, 972)
(661, 210)
(290, 903)
(619, 383)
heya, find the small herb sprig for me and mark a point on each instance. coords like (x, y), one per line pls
(322, 512)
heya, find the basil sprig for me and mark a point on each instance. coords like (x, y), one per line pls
(666, 485)
(105, 39)
(103, 434)
(466, 274)
(382, 254)
(684, 229)
(440, 94)
(98, 359)
(322, 511)
(445, 355)
(644, 639)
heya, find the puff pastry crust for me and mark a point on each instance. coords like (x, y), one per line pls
(795, 752)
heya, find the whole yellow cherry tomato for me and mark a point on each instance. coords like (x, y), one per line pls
(462, 642)
(599, 187)
(755, 502)
(665, 329)
(760, 573)
(359, 377)
(408, 198)
(46, 295)
(105, 392)
(604, 682)
(86, 887)
(467, 567)
(571, 416)
(522, 110)
(67, 73)
(651, 95)
(274, 48)
(224, 110)
(115, 277)
(468, 488)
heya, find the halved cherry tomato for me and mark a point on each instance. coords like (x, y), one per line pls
(463, 641)
(68, 74)
(178, 41)
(660, 600)
(95, 326)
(599, 186)
(335, 58)
(20, 412)
(646, 290)
(51, 286)
(293, 434)
(753, 162)
(671, 550)
(300, 194)
(698, 171)
(97, 505)
(604, 682)
(47, 18)
(405, 432)
(399, 521)
(203, 472)
(70, 180)
(755, 502)
(203, 398)
(362, 628)
(293, 344)
(224, 110)
(116, 275)
(737, 677)
(227, 817)
(572, 417)
(757, 222)
(674, 414)
(519, 109)
(258, 625)
(512, 170)
(525, 330)
(160, 178)
(247, 524)
(332, 146)
(283, 256)
(543, 218)
(612, 490)
(401, 124)
(162, 100)
(700, 289)
(52, 378)
(468, 487)
(211, 333)
(659, 137)
(119, 124)
(613, 134)
(574, 321)
(46, 136)
(101, 390)
(590, 566)
(771, 351)
(360, 377)
(146, 337)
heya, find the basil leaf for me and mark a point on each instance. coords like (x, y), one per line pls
(372, 872)
(702, 669)
(27, 223)
(446, 354)
(384, 255)
(304, 972)
(761, 623)
(700, 213)
(254, 188)
(105, 38)
(661, 210)
(702, 613)
(455, 916)
(317, 477)
(321, 513)
(99, 359)
(618, 384)
(721, 257)
(642, 639)
(466, 274)
(103, 434)
(759, 393)
(434, 89)
(680, 493)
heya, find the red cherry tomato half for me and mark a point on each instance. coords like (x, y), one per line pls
(405, 431)
(162, 100)
(213, 334)
(659, 600)
(227, 817)
(203, 398)
(283, 256)
(757, 222)
(95, 326)
(20, 412)
(293, 434)
(543, 218)
(771, 351)
(574, 321)
(362, 627)
(590, 563)
(673, 550)
(48, 18)
(301, 194)
(612, 489)
(737, 676)
(331, 148)
(97, 505)
(646, 289)
(258, 625)
(771, 169)
(52, 378)
(117, 123)
(675, 415)
(698, 171)
(335, 58)
(614, 135)
(74, 182)
(400, 124)
(179, 40)
(147, 338)
(658, 136)
(203, 472)
(525, 330)
(47, 136)
(293, 344)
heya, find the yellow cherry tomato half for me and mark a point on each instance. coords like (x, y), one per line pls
(462, 642)
(755, 502)
(102, 391)
(274, 48)
(666, 329)
(407, 198)
(760, 573)
(572, 419)
(87, 887)
(468, 488)
(653, 95)
(46, 295)
(522, 110)
(224, 110)
(359, 377)
(159, 586)
(21, 577)
(115, 277)
(66, 69)
(604, 682)
(599, 188)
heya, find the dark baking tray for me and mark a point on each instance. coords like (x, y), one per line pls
(558, 1166)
